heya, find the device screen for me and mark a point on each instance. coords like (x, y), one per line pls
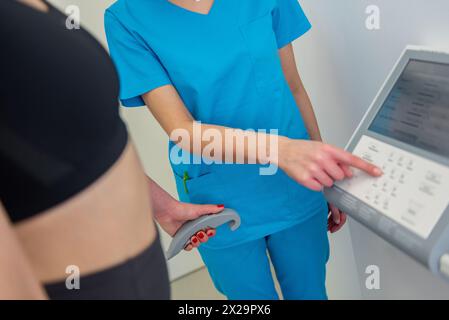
(417, 109)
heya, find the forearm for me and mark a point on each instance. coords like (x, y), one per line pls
(162, 201)
(305, 107)
(17, 280)
(296, 85)
(218, 143)
(228, 145)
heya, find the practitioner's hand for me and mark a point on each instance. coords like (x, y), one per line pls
(179, 213)
(336, 219)
(316, 165)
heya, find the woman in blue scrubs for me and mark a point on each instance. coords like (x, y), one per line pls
(230, 64)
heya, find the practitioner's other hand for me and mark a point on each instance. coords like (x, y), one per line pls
(336, 219)
(176, 215)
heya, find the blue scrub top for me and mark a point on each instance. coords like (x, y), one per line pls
(226, 68)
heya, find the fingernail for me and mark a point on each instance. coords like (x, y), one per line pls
(220, 205)
(210, 234)
(200, 235)
(194, 240)
(377, 171)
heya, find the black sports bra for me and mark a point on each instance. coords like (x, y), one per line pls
(60, 128)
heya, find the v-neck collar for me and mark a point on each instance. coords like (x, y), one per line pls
(178, 7)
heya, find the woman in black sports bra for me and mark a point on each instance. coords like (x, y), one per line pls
(70, 180)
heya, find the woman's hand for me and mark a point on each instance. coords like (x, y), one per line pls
(179, 213)
(316, 165)
(336, 219)
(172, 214)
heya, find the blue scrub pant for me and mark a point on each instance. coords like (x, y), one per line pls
(299, 256)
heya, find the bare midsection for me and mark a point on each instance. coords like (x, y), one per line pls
(107, 223)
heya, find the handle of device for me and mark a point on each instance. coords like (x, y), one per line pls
(183, 235)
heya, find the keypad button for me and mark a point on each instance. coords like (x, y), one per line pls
(391, 157)
(410, 165)
(393, 174)
(433, 177)
(400, 162)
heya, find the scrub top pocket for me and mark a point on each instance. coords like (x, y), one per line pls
(198, 189)
(260, 40)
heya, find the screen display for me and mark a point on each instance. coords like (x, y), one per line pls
(417, 109)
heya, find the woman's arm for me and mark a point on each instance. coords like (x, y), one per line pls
(17, 280)
(169, 110)
(311, 163)
(299, 92)
(338, 218)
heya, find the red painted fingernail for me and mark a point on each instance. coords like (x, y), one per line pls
(220, 205)
(210, 234)
(195, 240)
(200, 235)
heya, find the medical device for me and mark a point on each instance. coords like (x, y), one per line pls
(406, 133)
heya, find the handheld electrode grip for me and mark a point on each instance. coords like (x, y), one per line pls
(189, 229)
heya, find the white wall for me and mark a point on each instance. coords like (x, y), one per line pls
(344, 65)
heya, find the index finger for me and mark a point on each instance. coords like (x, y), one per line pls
(356, 162)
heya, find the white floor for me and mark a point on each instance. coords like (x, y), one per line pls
(198, 286)
(195, 286)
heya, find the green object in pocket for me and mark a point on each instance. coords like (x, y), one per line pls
(184, 179)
